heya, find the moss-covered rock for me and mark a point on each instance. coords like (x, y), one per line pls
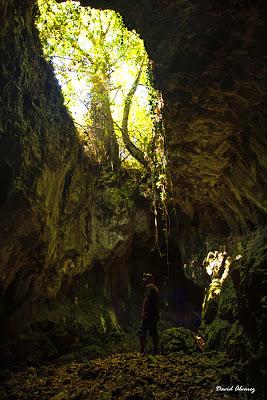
(210, 303)
(219, 313)
(179, 340)
(234, 311)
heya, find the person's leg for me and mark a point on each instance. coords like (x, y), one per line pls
(142, 342)
(155, 337)
(142, 336)
(155, 341)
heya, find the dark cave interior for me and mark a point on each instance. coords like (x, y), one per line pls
(74, 245)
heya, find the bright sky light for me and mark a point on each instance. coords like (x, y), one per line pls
(77, 60)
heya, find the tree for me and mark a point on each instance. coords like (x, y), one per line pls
(104, 68)
(101, 65)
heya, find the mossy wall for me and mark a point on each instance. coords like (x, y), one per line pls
(38, 144)
(234, 308)
(61, 213)
(209, 62)
(57, 220)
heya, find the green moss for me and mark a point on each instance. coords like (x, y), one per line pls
(210, 303)
(227, 301)
(179, 340)
(215, 333)
(114, 198)
(234, 338)
(219, 314)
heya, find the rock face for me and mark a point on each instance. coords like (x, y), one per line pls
(234, 309)
(59, 216)
(179, 340)
(210, 64)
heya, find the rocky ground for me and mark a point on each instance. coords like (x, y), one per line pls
(120, 376)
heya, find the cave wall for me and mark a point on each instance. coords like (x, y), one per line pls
(209, 61)
(38, 144)
(61, 213)
(234, 309)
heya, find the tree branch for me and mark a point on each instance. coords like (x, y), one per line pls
(130, 146)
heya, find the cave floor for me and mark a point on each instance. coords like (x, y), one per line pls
(127, 376)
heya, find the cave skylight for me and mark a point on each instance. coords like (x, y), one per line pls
(98, 62)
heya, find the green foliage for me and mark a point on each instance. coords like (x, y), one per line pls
(106, 79)
(96, 60)
(179, 340)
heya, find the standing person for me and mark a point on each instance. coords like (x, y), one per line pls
(149, 314)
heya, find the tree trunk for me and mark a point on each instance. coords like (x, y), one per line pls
(103, 119)
(130, 146)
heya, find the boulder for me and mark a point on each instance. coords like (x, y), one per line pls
(179, 340)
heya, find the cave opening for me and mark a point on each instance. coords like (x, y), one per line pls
(105, 76)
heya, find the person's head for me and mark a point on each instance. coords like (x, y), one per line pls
(148, 278)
